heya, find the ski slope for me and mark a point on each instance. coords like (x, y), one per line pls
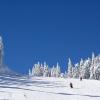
(39, 88)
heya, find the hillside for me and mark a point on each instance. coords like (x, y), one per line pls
(39, 88)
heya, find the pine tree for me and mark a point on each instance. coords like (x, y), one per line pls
(81, 68)
(46, 70)
(41, 69)
(92, 67)
(97, 67)
(70, 69)
(30, 74)
(86, 69)
(58, 70)
(53, 71)
(76, 71)
(33, 71)
(36, 70)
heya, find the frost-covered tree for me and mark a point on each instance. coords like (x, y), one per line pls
(81, 68)
(53, 71)
(46, 70)
(97, 72)
(92, 67)
(76, 71)
(86, 69)
(41, 69)
(36, 70)
(70, 69)
(58, 70)
(30, 74)
(33, 69)
(96, 67)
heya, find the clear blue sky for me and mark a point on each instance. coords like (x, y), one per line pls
(49, 30)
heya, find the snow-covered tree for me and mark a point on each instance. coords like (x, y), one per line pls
(70, 69)
(86, 69)
(96, 67)
(58, 70)
(92, 67)
(41, 69)
(30, 74)
(36, 70)
(53, 71)
(46, 70)
(76, 71)
(81, 68)
(97, 72)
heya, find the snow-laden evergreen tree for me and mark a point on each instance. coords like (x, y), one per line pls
(30, 74)
(41, 69)
(46, 70)
(96, 67)
(97, 72)
(81, 68)
(36, 71)
(76, 71)
(70, 68)
(86, 69)
(53, 71)
(33, 71)
(92, 67)
(58, 70)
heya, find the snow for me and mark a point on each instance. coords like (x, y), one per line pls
(47, 88)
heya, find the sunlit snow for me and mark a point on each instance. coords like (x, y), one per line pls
(39, 88)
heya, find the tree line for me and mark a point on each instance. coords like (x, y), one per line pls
(87, 69)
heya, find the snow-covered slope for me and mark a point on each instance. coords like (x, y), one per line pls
(39, 88)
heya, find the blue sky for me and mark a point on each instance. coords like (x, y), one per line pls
(49, 30)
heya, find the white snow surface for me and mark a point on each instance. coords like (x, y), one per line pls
(47, 88)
